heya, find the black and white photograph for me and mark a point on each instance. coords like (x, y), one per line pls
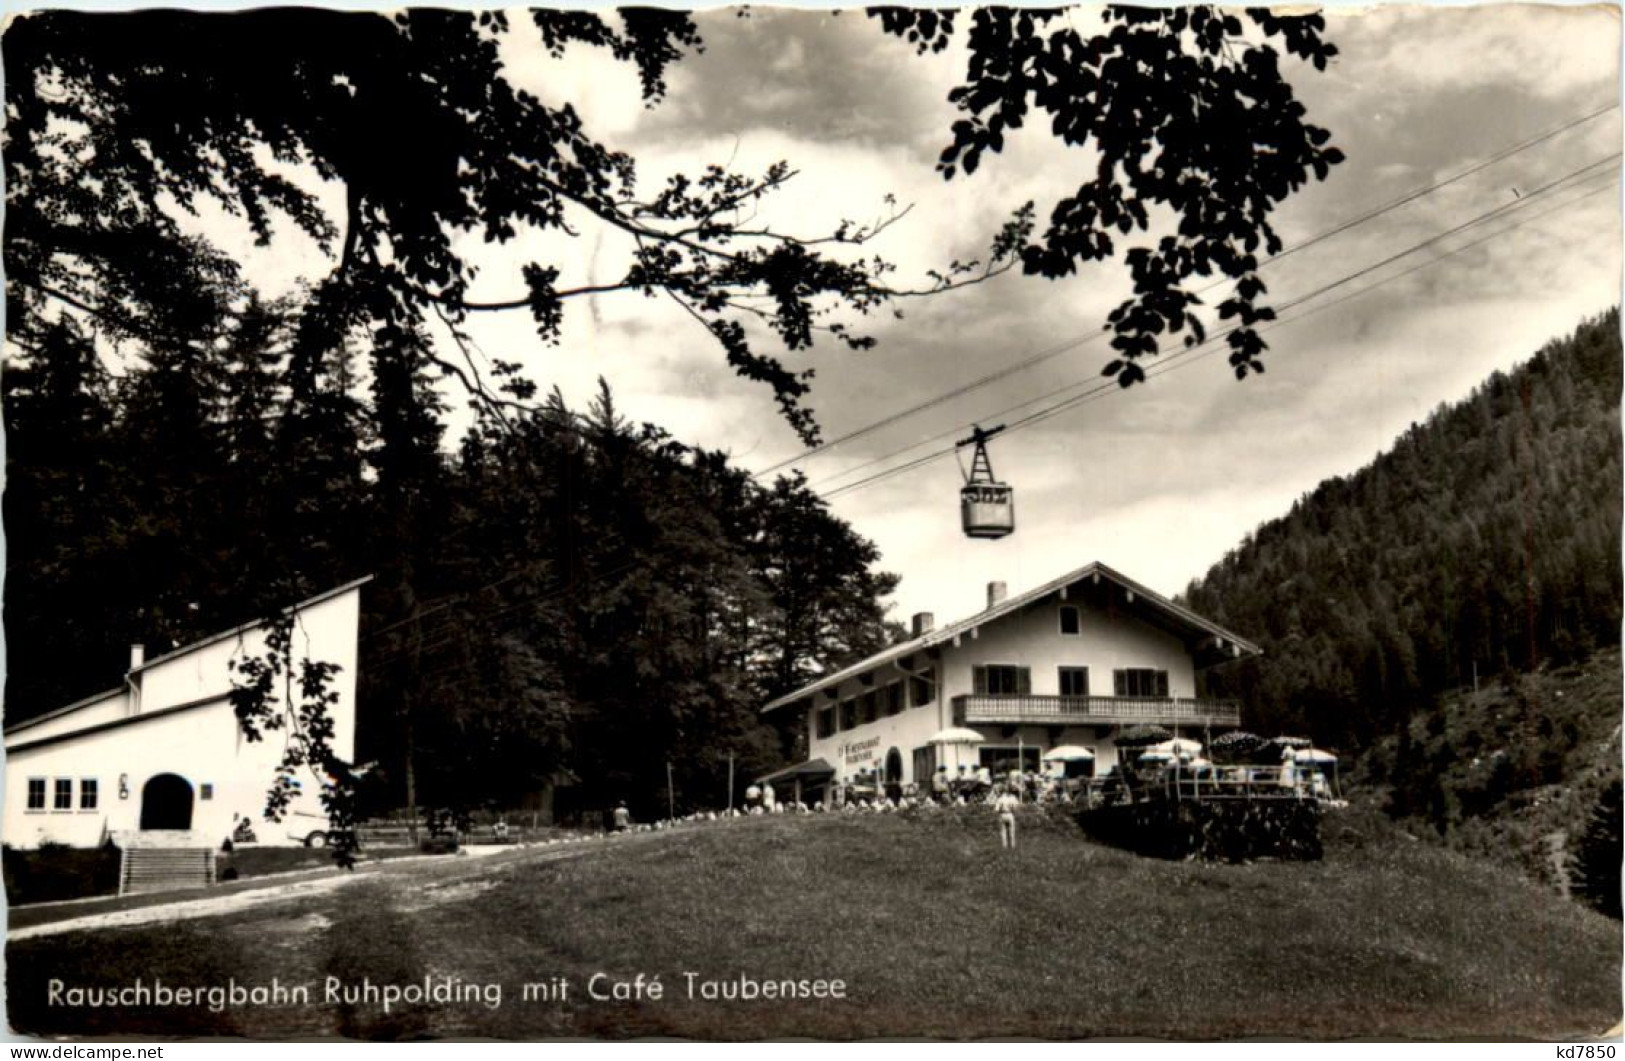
(753, 522)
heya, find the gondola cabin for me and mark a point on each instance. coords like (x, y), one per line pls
(987, 507)
(987, 510)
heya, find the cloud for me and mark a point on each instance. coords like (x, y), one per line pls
(1535, 51)
(816, 75)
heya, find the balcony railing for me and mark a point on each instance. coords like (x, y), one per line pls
(1094, 710)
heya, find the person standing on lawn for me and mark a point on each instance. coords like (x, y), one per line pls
(622, 817)
(1005, 807)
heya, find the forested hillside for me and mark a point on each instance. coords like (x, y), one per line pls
(1516, 770)
(1486, 542)
(565, 597)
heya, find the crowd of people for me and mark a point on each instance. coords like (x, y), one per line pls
(976, 788)
(1005, 791)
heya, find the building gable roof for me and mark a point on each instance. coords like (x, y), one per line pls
(1171, 613)
(89, 701)
(176, 653)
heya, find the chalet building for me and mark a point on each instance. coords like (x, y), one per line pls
(1070, 663)
(160, 760)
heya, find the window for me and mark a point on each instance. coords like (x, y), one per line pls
(1074, 681)
(64, 794)
(849, 714)
(87, 793)
(36, 793)
(205, 791)
(871, 706)
(923, 688)
(1071, 621)
(894, 699)
(826, 723)
(1140, 681)
(1001, 679)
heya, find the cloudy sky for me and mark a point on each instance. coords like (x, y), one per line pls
(1159, 480)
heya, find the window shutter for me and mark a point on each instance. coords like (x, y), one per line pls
(1120, 683)
(1024, 681)
(978, 680)
(1162, 684)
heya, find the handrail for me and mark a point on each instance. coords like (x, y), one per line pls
(1217, 783)
(978, 707)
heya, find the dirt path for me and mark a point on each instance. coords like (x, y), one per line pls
(440, 870)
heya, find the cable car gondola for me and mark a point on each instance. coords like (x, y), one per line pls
(987, 507)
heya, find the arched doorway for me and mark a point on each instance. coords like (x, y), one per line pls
(894, 767)
(166, 802)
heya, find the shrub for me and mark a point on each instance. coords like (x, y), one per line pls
(57, 871)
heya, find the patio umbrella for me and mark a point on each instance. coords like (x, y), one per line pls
(1155, 756)
(955, 735)
(1319, 757)
(1141, 736)
(1068, 753)
(1178, 746)
(1235, 746)
(959, 740)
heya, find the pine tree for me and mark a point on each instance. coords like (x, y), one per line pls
(1596, 864)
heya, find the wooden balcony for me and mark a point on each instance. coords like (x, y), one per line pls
(1094, 710)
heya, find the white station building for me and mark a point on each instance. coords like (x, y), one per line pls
(1070, 663)
(162, 757)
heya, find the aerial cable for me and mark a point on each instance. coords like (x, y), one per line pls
(1174, 353)
(1164, 369)
(1075, 342)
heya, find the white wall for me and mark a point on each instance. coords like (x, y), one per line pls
(322, 631)
(905, 731)
(202, 744)
(1032, 638)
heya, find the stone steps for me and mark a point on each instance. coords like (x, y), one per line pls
(158, 869)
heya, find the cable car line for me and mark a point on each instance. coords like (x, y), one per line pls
(1478, 167)
(1174, 353)
(1078, 341)
(1166, 366)
(1062, 407)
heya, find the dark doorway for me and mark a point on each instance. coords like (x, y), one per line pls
(1002, 758)
(166, 803)
(894, 774)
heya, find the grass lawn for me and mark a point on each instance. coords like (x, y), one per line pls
(933, 929)
(251, 862)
